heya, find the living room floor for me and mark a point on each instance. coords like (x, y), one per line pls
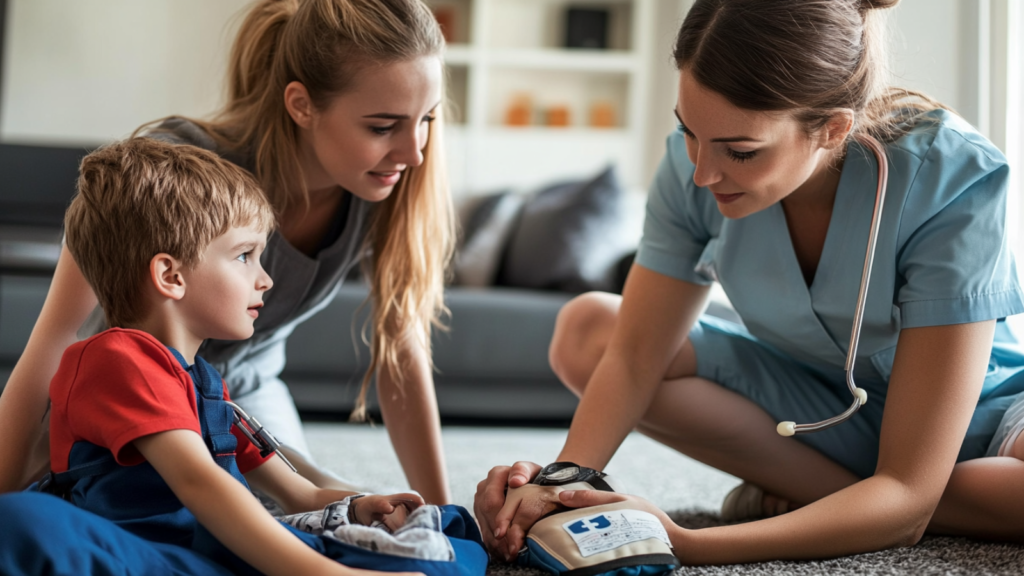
(690, 491)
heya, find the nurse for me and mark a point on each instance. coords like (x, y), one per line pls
(766, 190)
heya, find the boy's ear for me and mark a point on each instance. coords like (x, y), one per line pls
(165, 274)
(299, 104)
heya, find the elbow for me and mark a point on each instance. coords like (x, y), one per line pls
(912, 533)
(914, 522)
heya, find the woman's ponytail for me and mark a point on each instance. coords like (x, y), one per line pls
(252, 54)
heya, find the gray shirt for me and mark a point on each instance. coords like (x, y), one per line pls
(303, 285)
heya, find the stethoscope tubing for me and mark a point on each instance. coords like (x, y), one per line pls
(860, 396)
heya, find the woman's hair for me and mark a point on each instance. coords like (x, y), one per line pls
(808, 56)
(324, 44)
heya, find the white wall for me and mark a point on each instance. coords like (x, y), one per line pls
(88, 71)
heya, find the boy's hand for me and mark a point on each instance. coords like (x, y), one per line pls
(391, 509)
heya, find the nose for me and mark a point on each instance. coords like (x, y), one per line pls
(409, 149)
(263, 281)
(706, 173)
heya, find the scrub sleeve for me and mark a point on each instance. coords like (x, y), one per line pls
(942, 258)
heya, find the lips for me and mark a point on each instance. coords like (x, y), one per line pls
(254, 310)
(387, 178)
(726, 198)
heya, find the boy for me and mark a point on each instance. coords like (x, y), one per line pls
(169, 238)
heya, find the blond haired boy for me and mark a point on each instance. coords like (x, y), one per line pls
(169, 238)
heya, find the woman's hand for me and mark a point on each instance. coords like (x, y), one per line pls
(391, 509)
(503, 521)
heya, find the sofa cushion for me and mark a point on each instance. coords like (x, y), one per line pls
(486, 231)
(569, 236)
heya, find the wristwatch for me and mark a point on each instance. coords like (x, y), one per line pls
(562, 473)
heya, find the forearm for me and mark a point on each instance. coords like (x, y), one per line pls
(614, 402)
(414, 425)
(874, 514)
(655, 317)
(25, 399)
(227, 509)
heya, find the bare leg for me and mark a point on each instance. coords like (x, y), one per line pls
(696, 417)
(983, 498)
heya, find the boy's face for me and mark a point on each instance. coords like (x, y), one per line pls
(224, 292)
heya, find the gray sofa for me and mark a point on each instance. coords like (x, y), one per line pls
(491, 364)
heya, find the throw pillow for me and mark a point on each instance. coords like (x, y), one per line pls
(485, 233)
(569, 237)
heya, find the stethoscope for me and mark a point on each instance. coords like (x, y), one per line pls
(260, 437)
(860, 396)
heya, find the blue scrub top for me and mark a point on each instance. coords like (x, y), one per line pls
(942, 254)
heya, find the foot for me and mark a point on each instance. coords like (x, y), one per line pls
(749, 502)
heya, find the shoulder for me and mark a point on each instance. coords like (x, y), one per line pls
(941, 160)
(177, 130)
(117, 352)
(942, 140)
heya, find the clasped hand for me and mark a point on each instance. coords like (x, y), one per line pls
(390, 509)
(507, 506)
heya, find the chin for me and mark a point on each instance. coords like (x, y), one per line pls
(374, 194)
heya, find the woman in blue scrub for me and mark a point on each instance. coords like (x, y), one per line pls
(766, 189)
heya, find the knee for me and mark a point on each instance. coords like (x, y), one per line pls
(581, 333)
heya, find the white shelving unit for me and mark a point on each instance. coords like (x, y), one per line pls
(502, 49)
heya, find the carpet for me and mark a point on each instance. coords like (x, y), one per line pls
(690, 491)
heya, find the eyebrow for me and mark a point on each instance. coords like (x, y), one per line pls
(390, 116)
(726, 139)
(245, 246)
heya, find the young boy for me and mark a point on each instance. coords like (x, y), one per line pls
(169, 238)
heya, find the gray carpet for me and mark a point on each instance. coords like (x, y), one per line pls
(690, 491)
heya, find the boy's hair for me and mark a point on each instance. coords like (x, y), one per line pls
(142, 197)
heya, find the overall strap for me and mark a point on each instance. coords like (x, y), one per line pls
(215, 416)
(61, 483)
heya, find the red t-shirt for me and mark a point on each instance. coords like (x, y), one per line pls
(121, 385)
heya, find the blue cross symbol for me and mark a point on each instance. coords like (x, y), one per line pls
(588, 524)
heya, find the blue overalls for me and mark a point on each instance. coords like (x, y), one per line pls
(126, 520)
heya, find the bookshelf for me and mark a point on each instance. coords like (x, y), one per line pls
(504, 54)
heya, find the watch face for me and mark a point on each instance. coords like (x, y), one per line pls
(567, 473)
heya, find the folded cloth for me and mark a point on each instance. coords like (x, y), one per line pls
(421, 537)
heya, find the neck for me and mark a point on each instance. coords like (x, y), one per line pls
(316, 179)
(819, 191)
(171, 333)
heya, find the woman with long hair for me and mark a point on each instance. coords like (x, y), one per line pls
(336, 106)
(768, 187)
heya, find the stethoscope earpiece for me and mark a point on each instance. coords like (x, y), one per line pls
(860, 396)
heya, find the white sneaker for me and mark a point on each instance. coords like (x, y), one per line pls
(744, 502)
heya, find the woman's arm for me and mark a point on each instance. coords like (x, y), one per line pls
(25, 450)
(655, 317)
(414, 424)
(935, 385)
(228, 510)
(654, 320)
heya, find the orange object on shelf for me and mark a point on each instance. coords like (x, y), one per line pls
(520, 111)
(602, 114)
(557, 116)
(445, 16)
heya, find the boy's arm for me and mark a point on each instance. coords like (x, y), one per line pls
(228, 510)
(294, 493)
